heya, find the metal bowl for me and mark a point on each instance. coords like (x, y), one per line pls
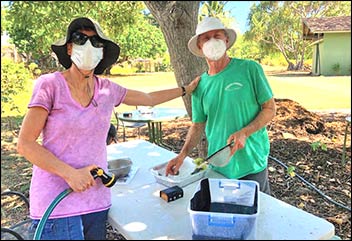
(120, 167)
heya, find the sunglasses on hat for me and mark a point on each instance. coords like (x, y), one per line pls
(81, 38)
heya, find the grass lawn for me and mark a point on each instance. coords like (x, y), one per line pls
(312, 92)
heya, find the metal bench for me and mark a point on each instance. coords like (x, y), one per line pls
(15, 221)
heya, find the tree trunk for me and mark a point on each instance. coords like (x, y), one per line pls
(178, 21)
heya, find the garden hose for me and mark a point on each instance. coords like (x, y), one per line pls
(107, 180)
(48, 211)
(313, 187)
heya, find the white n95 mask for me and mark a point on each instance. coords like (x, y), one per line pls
(214, 49)
(86, 56)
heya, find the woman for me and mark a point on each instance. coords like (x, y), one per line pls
(72, 110)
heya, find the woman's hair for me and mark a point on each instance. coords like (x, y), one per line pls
(112, 135)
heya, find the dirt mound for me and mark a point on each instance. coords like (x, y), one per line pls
(293, 118)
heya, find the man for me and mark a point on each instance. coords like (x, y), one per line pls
(233, 103)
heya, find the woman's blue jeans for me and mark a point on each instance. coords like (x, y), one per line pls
(83, 227)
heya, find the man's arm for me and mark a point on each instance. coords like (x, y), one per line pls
(263, 118)
(192, 139)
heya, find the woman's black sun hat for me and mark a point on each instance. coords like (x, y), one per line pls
(111, 49)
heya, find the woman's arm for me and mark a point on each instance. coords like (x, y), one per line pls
(32, 125)
(134, 97)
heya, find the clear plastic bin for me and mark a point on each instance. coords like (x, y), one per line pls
(232, 210)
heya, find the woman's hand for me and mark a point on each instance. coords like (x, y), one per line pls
(193, 85)
(81, 179)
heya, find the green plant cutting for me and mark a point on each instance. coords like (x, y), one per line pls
(201, 165)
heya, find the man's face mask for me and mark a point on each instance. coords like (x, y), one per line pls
(86, 57)
(214, 49)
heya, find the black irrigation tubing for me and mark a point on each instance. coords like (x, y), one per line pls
(310, 185)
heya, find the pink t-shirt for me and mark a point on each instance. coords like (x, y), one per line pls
(77, 136)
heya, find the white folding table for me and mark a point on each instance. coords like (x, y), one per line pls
(138, 212)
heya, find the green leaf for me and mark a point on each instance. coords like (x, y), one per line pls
(290, 171)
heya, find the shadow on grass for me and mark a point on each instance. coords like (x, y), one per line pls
(292, 74)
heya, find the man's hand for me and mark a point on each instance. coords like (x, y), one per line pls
(239, 140)
(173, 166)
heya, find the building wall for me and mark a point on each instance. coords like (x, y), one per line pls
(335, 54)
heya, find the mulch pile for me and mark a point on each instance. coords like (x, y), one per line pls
(309, 144)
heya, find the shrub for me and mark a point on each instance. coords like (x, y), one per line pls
(33, 67)
(14, 78)
(336, 68)
(276, 59)
(123, 69)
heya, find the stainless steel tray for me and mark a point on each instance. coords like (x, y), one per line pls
(182, 179)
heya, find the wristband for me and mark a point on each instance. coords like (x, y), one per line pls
(183, 90)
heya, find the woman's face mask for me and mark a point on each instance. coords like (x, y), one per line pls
(86, 57)
(214, 49)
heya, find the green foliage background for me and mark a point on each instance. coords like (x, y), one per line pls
(34, 25)
(15, 85)
(276, 26)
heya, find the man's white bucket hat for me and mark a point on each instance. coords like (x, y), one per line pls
(209, 24)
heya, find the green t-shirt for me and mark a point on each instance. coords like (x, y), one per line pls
(227, 102)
